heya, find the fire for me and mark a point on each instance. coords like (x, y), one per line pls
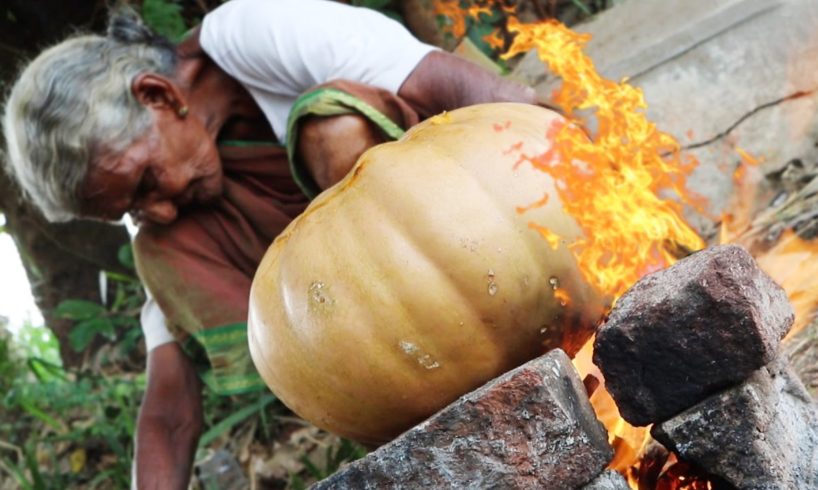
(746, 178)
(456, 15)
(628, 441)
(791, 261)
(610, 182)
(615, 170)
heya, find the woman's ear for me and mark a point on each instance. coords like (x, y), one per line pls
(158, 92)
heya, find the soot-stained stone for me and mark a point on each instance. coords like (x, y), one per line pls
(533, 427)
(761, 434)
(686, 332)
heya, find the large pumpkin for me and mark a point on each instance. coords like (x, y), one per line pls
(416, 278)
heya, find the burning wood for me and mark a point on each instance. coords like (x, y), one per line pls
(683, 333)
(530, 428)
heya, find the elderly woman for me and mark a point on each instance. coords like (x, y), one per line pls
(215, 145)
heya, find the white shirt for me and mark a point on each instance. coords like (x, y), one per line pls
(278, 49)
(154, 326)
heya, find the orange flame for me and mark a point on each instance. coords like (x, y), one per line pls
(456, 15)
(495, 40)
(792, 262)
(610, 183)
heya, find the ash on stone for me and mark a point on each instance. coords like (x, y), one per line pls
(608, 480)
(533, 427)
(689, 331)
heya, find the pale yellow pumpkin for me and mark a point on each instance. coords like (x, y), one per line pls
(416, 279)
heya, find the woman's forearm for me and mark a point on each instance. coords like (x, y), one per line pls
(164, 452)
(443, 81)
(170, 421)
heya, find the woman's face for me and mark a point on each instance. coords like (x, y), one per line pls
(175, 164)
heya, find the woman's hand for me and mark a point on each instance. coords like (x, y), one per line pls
(170, 421)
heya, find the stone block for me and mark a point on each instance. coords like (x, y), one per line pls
(533, 427)
(762, 434)
(688, 331)
(608, 480)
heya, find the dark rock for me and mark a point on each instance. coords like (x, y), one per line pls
(608, 480)
(533, 427)
(762, 434)
(689, 331)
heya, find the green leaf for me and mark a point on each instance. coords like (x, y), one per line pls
(125, 256)
(394, 15)
(346, 451)
(129, 340)
(39, 414)
(102, 478)
(581, 5)
(45, 370)
(372, 4)
(382, 6)
(84, 332)
(164, 17)
(34, 468)
(296, 483)
(312, 469)
(16, 473)
(78, 309)
(127, 322)
(225, 425)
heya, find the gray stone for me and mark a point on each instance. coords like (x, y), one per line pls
(533, 427)
(657, 33)
(762, 434)
(608, 480)
(683, 333)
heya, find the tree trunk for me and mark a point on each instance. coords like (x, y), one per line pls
(61, 260)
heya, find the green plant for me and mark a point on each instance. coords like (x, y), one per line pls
(70, 430)
(335, 456)
(74, 428)
(165, 17)
(386, 7)
(39, 343)
(118, 323)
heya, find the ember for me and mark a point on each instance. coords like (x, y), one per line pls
(684, 476)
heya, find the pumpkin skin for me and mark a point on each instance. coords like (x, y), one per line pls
(415, 279)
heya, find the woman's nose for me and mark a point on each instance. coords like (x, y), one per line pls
(161, 212)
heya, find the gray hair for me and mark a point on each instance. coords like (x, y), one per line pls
(73, 99)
